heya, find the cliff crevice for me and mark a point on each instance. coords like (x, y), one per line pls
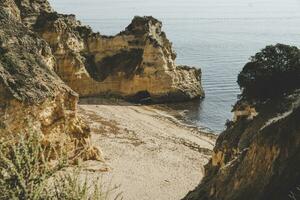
(32, 97)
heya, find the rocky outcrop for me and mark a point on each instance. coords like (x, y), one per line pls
(136, 64)
(32, 97)
(258, 155)
(30, 10)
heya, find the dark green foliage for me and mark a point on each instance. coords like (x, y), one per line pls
(273, 71)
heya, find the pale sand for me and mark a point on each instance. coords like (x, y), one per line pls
(150, 154)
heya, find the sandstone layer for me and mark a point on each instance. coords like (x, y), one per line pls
(258, 156)
(136, 64)
(32, 97)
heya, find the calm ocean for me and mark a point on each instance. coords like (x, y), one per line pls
(218, 36)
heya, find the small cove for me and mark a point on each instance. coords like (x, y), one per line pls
(217, 36)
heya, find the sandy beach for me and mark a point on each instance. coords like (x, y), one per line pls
(147, 151)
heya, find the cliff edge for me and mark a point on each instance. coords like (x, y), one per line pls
(258, 155)
(137, 64)
(32, 97)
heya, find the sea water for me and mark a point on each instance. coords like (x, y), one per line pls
(216, 35)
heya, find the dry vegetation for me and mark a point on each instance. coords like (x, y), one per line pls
(27, 174)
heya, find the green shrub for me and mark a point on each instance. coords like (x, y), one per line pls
(273, 71)
(26, 174)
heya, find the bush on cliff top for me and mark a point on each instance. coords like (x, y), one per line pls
(273, 71)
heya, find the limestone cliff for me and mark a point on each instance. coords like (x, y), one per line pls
(258, 155)
(32, 96)
(136, 64)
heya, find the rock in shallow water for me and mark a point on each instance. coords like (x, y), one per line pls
(137, 60)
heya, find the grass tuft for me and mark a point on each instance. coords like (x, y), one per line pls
(26, 173)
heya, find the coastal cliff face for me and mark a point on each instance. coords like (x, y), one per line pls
(137, 64)
(32, 97)
(258, 155)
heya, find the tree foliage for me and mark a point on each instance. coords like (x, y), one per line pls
(273, 71)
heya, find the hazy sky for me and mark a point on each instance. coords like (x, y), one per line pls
(116, 9)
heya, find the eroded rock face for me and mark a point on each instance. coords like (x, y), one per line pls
(139, 60)
(258, 156)
(32, 97)
(31, 9)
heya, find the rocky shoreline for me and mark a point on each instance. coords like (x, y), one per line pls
(47, 58)
(179, 112)
(138, 64)
(257, 156)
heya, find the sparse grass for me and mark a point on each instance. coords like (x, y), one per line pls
(73, 186)
(26, 174)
